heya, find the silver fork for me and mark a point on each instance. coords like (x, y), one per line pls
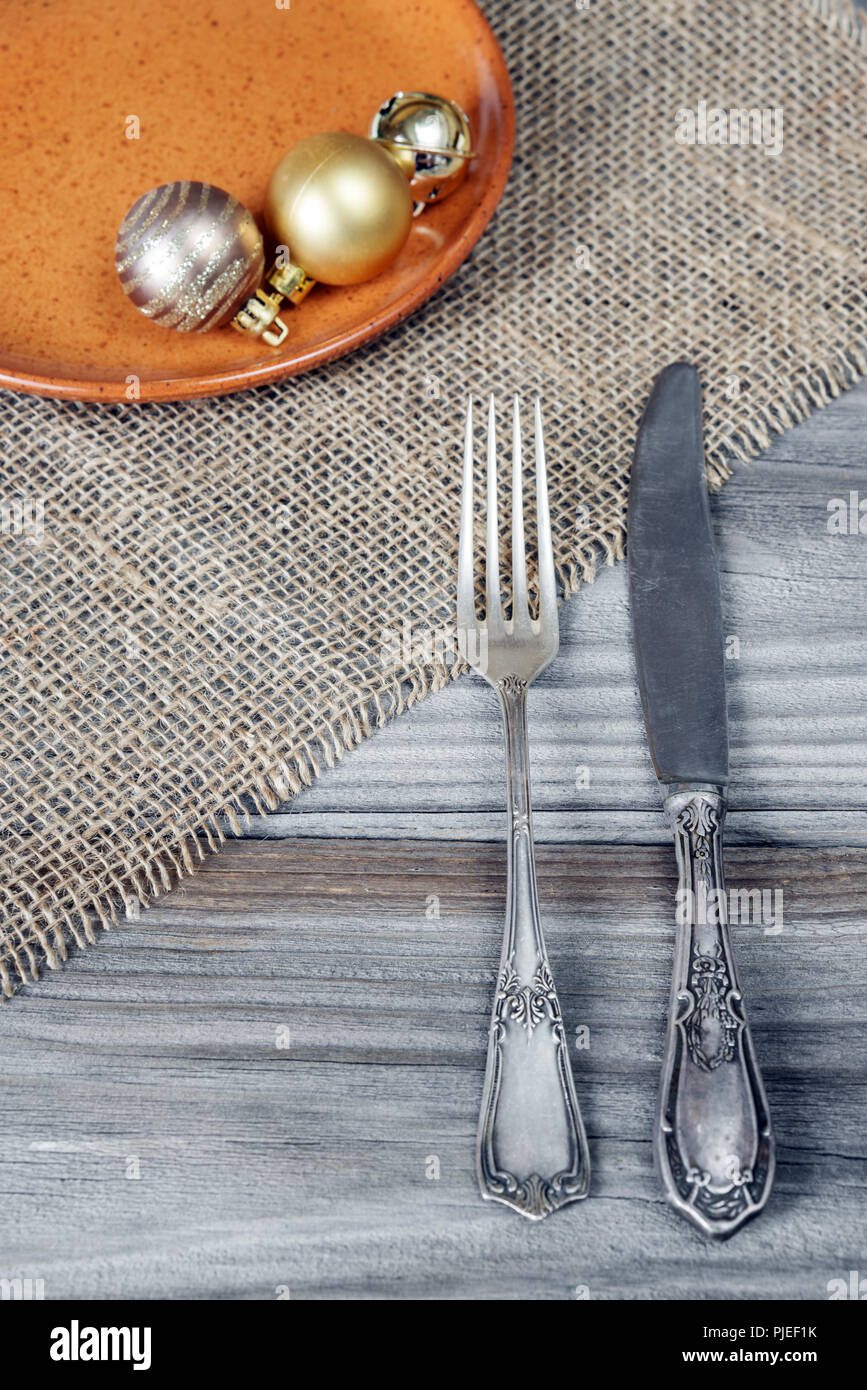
(532, 1150)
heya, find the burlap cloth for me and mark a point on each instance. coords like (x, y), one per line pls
(225, 593)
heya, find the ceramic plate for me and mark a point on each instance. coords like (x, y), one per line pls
(220, 91)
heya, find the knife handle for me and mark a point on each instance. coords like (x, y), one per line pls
(713, 1143)
(531, 1147)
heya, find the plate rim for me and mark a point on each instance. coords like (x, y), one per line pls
(222, 383)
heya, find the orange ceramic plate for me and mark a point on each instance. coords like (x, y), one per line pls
(220, 91)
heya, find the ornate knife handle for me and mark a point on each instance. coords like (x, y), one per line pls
(713, 1143)
(532, 1150)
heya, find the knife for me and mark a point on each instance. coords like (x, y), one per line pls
(713, 1143)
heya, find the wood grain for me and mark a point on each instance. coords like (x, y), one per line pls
(304, 1166)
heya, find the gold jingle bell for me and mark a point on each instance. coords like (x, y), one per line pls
(430, 137)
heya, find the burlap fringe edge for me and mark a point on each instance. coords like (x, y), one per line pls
(138, 888)
(840, 373)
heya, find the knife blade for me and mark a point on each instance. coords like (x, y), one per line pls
(674, 588)
(713, 1142)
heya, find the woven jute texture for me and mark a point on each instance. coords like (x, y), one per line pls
(222, 597)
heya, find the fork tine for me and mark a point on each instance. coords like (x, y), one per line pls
(547, 582)
(494, 617)
(520, 611)
(466, 585)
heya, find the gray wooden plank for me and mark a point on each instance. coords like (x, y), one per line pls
(573, 827)
(304, 1165)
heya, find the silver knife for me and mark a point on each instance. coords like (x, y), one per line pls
(713, 1143)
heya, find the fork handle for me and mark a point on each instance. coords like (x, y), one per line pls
(532, 1150)
(713, 1144)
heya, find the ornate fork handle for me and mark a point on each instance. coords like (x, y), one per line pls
(714, 1145)
(532, 1150)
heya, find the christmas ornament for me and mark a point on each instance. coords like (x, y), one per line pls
(430, 138)
(339, 208)
(189, 255)
(342, 206)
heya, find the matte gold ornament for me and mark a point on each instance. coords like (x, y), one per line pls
(430, 137)
(341, 205)
(188, 255)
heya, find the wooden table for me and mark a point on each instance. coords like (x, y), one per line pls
(269, 1083)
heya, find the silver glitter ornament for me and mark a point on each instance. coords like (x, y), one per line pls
(189, 255)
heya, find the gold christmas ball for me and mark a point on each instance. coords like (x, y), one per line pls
(430, 137)
(341, 205)
(189, 255)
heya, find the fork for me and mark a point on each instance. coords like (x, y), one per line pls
(532, 1150)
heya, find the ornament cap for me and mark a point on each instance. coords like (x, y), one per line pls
(258, 318)
(290, 281)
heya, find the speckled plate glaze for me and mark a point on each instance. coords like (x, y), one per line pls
(221, 90)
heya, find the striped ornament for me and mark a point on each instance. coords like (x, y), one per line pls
(189, 255)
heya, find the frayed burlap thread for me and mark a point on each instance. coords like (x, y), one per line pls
(207, 603)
